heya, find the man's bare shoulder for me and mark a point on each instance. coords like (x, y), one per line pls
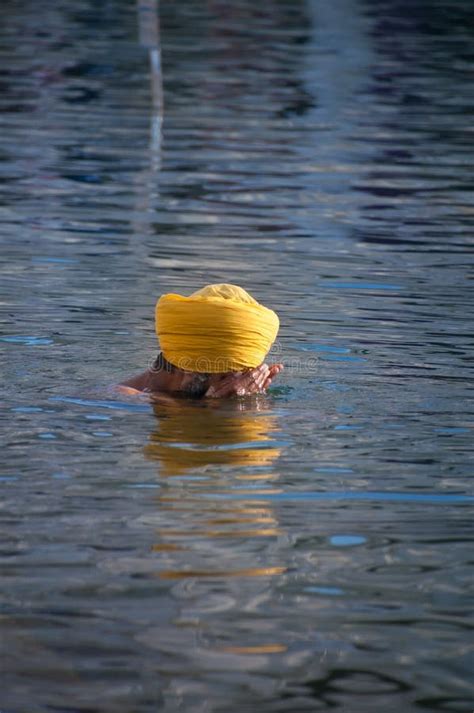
(136, 383)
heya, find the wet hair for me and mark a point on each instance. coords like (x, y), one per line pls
(161, 364)
(198, 385)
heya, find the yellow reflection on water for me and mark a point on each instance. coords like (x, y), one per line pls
(192, 436)
(204, 449)
(238, 519)
(244, 572)
(167, 547)
(262, 532)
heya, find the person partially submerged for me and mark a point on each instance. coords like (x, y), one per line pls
(213, 344)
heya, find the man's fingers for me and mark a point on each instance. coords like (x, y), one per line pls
(235, 383)
(252, 380)
(261, 378)
(262, 375)
(249, 382)
(244, 383)
(276, 369)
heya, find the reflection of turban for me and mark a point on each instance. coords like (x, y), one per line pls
(217, 329)
(189, 437)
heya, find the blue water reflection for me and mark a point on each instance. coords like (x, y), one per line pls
(305, 551)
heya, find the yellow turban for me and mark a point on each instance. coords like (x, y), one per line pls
(217, 329)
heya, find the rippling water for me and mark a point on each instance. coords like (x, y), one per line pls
(308, 550)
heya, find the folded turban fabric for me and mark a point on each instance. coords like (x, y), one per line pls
(217, 329)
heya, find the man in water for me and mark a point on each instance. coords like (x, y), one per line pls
(213, 344)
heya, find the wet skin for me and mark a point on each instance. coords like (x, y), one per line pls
(217, 386)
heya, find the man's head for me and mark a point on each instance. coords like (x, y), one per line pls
(234, 383)
(216, 330)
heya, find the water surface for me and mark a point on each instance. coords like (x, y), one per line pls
(304, 551)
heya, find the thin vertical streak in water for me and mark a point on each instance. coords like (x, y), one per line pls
(149, 28)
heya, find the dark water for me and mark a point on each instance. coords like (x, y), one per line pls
(310, 550)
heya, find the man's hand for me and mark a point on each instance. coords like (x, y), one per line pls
(243, 383)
